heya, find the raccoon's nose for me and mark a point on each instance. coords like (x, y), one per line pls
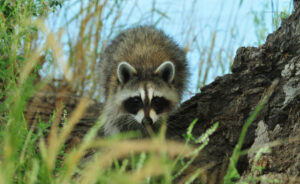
(147, 121)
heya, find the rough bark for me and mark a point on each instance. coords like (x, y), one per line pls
(230, 100)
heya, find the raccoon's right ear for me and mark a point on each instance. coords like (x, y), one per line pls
(125, 72)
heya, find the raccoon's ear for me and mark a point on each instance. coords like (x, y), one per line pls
(166, 71)
(125, 72)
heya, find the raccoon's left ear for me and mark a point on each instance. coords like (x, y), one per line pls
(166, 71)
(125, 72)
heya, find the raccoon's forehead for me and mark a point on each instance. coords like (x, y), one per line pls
(147, 91)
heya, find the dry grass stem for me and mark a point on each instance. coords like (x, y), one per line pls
(58, 140)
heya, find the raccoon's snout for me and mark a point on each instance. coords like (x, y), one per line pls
(147, 121)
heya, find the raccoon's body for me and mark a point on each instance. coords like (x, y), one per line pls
(143, 76)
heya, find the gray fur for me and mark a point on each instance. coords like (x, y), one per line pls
(152, 59)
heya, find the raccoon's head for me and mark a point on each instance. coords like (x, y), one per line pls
(145, 95)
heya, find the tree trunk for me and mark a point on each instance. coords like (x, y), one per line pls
(230, 100)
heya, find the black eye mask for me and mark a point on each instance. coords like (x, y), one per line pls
(133, 104)
(159, 104)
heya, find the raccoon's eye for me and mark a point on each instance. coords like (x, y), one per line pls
(133, 104)
(159, 104)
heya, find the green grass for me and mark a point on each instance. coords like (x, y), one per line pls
(38, 153)
(232, 173)
(149, 161)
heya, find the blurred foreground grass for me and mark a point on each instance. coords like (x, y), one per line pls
(38, 153)
(30, 56)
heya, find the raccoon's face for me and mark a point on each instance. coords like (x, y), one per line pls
(146, 100)
(147, 107)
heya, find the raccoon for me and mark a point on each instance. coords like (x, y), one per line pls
(143, 74)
